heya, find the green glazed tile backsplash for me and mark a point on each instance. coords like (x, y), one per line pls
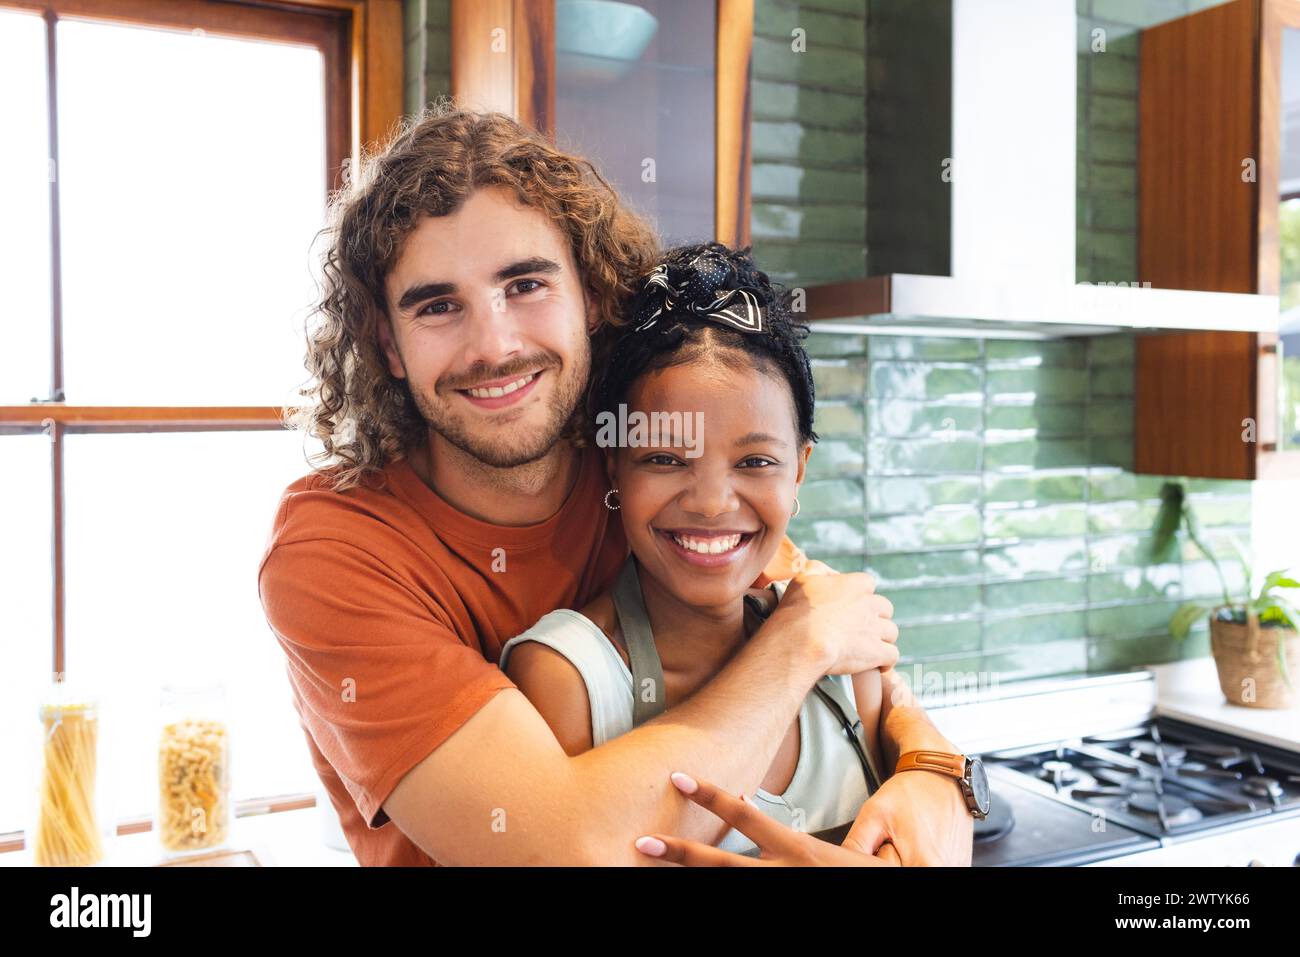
(971, 478)
(809, 132)
(426, 25)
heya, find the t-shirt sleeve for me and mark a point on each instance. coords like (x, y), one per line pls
(380, 679)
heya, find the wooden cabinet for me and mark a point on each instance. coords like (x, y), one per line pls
(1211, 123)
(656, 93)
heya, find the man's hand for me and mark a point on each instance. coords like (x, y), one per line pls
(846, 624)
(921, 813)
(779, 845)
(788, 561)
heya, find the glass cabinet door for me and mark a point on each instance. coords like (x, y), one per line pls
(635, 92)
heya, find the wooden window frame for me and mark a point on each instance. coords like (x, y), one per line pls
(362, 44)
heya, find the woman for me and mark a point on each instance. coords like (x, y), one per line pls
(704, 403)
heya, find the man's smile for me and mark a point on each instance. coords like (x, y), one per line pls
(501, 393)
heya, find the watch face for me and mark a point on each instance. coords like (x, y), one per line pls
(979, 782)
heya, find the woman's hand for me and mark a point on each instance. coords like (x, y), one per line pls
(923, 814)
(780, 846)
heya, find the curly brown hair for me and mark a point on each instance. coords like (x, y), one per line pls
(361, 413)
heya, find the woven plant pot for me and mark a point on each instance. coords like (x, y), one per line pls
(1246, 657)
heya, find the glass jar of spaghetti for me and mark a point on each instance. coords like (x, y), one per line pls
(194, 812)
(72, 827)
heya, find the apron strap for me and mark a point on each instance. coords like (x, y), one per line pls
(833, 695)
(647, 670)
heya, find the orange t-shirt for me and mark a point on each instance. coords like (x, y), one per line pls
(392, 607)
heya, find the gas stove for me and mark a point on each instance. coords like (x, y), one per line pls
(1099, 778)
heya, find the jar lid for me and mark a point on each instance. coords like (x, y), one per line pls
(64, 698)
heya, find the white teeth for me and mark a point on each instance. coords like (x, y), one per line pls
(707, 546)
(496, 391)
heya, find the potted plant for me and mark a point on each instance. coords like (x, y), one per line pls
(1253, 638)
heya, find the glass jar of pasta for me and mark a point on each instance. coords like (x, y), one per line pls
(73, 828)
(194, 812)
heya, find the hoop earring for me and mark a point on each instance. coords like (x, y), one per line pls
(797, 506)
(612, 508)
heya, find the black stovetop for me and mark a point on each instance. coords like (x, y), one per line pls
(1165, 780)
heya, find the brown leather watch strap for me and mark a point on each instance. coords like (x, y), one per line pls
(942, 761)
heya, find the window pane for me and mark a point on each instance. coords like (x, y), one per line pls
(193, 184)
(164, 535)
(25, 618)
(24, 211)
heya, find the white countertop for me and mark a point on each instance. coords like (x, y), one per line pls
(283, 839)
(1189, 691)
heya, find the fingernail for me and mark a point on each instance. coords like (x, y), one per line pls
(685, 783)
(651, 845)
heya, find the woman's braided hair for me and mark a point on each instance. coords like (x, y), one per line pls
(622, 354)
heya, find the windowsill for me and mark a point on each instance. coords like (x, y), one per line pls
(283, 839)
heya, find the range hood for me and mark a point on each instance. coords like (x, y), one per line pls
(1013, 184)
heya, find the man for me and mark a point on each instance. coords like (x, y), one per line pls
(470, 263)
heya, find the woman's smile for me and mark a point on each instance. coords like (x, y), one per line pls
(707, 548)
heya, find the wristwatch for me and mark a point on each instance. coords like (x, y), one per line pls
(968, 771)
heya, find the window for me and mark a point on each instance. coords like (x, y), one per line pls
(166, 171)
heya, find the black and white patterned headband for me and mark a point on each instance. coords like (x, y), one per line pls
(701, 295)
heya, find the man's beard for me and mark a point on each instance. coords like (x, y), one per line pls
(510, 447)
